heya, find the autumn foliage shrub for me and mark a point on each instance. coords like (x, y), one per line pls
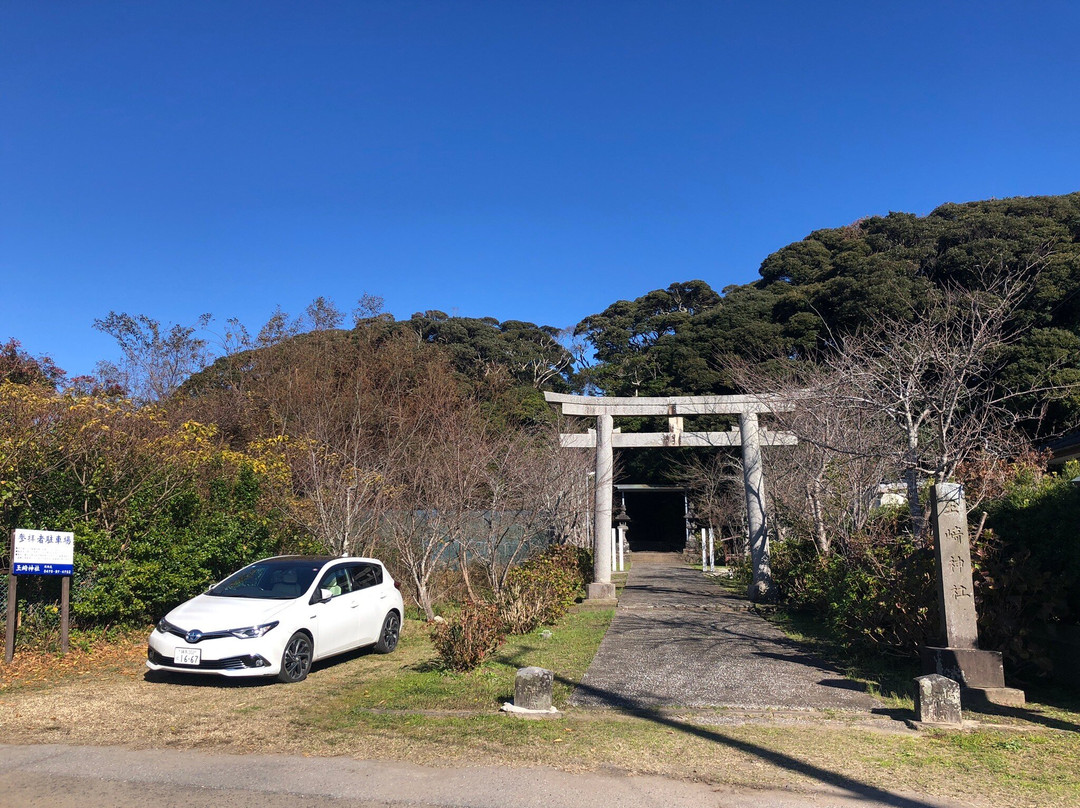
(464, 640)
(536, 592)
(159, 510)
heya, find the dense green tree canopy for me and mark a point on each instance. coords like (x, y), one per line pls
(848, 279)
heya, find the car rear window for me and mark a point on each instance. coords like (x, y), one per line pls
(365, 575)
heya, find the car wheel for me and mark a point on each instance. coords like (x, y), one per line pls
(388, 637)
(296, 659)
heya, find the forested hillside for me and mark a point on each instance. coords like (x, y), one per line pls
(846, 279)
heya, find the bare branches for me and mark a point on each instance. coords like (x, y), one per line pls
(824, 487)
(917, 396)
(935, 377)
(157, 359)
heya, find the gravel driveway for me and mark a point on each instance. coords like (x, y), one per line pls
(679, 640)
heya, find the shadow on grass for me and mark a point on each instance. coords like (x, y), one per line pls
(892, 677)
(1025, 714)
(857, 788)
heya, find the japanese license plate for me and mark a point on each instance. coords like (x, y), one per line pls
(188, 656)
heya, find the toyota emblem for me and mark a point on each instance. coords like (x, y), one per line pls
(194, 635)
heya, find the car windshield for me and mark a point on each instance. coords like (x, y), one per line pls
(273, 579)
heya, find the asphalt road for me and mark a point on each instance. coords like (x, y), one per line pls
(55, 776)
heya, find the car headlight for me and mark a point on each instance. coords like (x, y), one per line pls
(251, 632)
(165, 627)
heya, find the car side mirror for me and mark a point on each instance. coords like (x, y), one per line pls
(322, 596)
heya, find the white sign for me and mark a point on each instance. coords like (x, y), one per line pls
(43, 552)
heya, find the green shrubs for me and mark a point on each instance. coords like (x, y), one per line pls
(540, 590)
(879, 594)
(537, 592)
(881, 591)
(1027, 570)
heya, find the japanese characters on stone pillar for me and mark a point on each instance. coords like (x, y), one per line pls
(956, 594)
(980, 673)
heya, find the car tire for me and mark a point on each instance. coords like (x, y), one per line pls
(388, 636)
(296, 659)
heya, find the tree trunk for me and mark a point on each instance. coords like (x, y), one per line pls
(423, 597)
(915, 509)
(463, 562)
(821, 536)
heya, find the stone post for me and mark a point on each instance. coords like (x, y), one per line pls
(937, 700)
(761, 588)
(956, 592)
(602, 588)
(979, 673)
(532, 689)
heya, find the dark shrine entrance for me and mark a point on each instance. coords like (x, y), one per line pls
(657, 517)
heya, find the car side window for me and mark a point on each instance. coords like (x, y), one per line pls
(365, 575)
(337, 581)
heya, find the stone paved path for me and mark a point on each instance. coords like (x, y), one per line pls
(679, 640)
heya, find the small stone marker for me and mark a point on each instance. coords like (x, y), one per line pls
(937, 700)
(532, 689)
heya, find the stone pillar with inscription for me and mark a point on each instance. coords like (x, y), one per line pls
(979, 673)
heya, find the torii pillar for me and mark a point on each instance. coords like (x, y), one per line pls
(761, 587)
(602, 588)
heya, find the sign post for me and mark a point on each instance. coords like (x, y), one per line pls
(12, 612)
(40, 552)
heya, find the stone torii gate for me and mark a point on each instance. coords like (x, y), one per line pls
(605, 439)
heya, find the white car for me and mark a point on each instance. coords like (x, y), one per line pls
(277, 616)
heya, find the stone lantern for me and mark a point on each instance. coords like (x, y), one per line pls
(622, 522)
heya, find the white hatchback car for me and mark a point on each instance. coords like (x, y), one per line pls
(277, 616)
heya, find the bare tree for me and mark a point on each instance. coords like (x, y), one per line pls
(935, 377)
(157, 358)
(428, 489)
(716, 489)
(533, 495)
(367, 307)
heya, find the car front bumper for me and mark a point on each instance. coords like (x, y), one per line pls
(223, 656)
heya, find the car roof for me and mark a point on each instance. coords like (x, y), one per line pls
(324, 559)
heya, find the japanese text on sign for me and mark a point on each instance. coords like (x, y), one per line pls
(43, 552)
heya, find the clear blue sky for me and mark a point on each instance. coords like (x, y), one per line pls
(522, 160)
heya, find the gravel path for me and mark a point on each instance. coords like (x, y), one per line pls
(679, 640)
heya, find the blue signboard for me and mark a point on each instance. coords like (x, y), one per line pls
(43, 569)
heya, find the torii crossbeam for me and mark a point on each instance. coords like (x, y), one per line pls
(605, 439)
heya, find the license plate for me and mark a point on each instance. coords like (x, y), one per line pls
(188, 656)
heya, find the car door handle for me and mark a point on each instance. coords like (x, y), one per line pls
(353, 605)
